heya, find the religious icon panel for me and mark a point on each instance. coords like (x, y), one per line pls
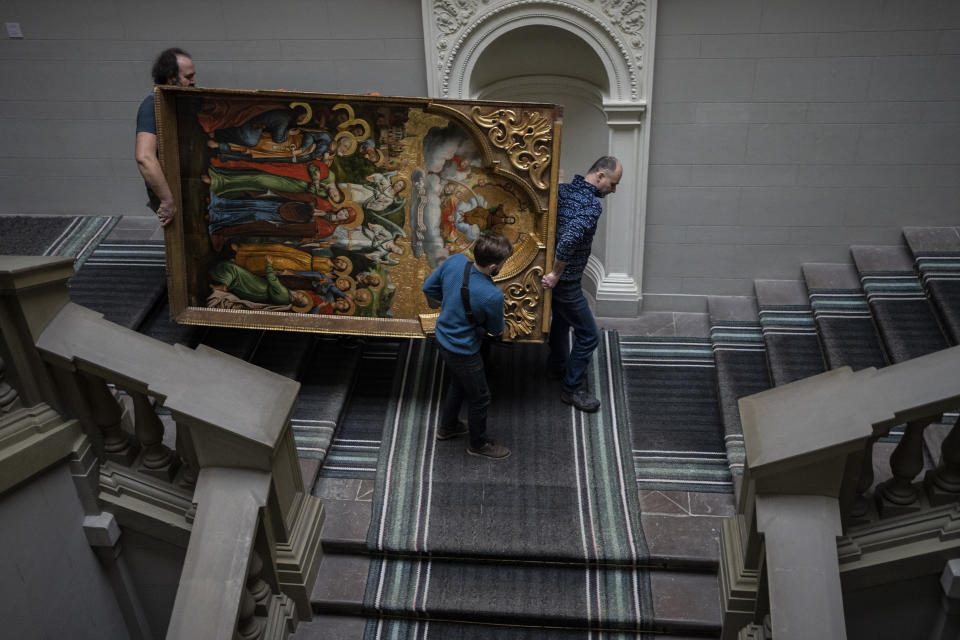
(326, 213)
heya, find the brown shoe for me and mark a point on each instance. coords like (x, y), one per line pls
(490, 450)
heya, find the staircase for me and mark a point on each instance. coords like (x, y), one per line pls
(888, 305)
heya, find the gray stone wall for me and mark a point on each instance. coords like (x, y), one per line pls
(155, 567)
(71, 86)
(783, 131)
(51, 583)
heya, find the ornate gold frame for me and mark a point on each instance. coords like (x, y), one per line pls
(516, 153)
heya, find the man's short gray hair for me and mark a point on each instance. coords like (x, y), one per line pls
(607, 164)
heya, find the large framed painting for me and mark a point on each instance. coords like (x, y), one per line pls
(325, 213)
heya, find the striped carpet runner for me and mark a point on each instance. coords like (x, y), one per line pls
(450, 530)
(741, 368)
(671, 400)
(123, 280)
(940, 273)
(846, 327)
(354, 449)
(66, 236)
(792, 344)
(903, 314)
(81, 238)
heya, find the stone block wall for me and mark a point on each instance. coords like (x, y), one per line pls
(782, 132)
(72, 84)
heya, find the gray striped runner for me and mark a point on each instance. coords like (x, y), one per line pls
(596, 551)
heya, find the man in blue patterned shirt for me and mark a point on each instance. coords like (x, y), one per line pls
(578, 210)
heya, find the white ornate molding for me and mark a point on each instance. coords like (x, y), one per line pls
(617, 295)
(621, 34)
(457, 31)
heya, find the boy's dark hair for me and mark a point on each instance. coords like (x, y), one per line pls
(607, 164)
(166, 65)
(491, 248)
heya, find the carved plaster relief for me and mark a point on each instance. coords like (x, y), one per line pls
(455, 32)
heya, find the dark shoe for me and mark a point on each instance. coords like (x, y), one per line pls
(452, 432)
(581, 399)
(490, 450)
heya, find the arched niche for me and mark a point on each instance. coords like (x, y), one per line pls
(558, 22)
(541, 63)
(592, 57)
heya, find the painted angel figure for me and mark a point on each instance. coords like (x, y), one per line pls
(374, 241)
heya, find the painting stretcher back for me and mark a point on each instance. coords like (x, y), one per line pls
(325, 213)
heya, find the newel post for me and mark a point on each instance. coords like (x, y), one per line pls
(32, 291)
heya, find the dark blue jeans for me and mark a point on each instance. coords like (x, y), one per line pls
(466, 381)
(570, 310)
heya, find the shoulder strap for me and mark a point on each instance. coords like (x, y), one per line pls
(465, 293)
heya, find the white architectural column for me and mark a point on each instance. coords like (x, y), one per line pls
(618, 272)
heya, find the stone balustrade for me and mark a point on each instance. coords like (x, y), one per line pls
(226, 485)
(812, 523)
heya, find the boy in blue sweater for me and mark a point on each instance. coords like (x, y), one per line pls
(460, 336)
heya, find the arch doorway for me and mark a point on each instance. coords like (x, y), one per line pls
(547, 64)
(575, 54)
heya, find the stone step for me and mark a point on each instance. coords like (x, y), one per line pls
(903, 314)
(239, 343)
(793, 347)
(322, 399)
(343, 627)
(936, 252)
(847, 332)
(674, 541)
(158, 325)
(528, 594)
(283, 352)
(932, 239)
(742, 370)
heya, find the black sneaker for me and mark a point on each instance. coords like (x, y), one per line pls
(581, 399)
(490, 450)
(452, 432)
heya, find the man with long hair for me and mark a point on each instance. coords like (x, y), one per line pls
(172, 67)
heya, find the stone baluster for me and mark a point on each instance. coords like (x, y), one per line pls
(249, 626)
(253, 601)
(860, 506)
(189, 468)
(943, 483)
(118, 445)
(157, 460)
(257, 586)
(756, 631)
(898, 496)
(9, 398)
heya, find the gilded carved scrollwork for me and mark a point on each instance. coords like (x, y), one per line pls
(521, 300)
(526, 139)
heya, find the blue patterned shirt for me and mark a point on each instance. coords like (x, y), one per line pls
(578, 210)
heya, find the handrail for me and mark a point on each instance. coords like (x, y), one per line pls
(809, 463)
(232, 491)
